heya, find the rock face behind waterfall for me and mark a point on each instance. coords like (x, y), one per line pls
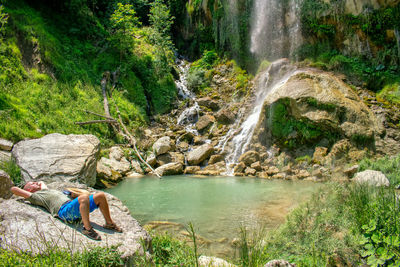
(312, 108)
(30, 228)
(58, 157)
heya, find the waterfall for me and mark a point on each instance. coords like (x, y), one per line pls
(275, 29)
(236, 142)
(190, 115)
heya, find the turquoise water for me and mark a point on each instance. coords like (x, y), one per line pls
(217, 206)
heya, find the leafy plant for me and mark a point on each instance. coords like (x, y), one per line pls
(378, 248)
(12, 169)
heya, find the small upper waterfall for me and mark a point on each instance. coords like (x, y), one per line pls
(236, 142)
(275, 29)
(191, 114)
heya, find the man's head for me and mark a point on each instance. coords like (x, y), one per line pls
(32, 187)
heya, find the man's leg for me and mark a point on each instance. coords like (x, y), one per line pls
(101, 201)
(84, 206)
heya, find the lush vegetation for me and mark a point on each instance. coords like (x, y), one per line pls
(96, 256)
(51, 68)
(335, 36)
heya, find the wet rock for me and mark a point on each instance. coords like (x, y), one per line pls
(317, 173)
(116, 153)
(302, 174)
(6, 145)
(239, 168)
(164, 159)
(133, 174)
(32, 229)
(351, 171)
(250, 171)
(280, 175)
(208, 172)
(216, 158)
(56, 157)
(151, 160)
(272, 170)
(172, 168)
(371, 177)
(208, 102)
(200, 154)
(198, 140)
(315, 98)
(319, 154)
(188, 137)
(121, 167)
(162, 145)
(206, 261)
(249, 157)
(192, 169)
(256, 165)
(136, 167)
(225, 116)
(204, 122)
(183, 146)
(5, 185)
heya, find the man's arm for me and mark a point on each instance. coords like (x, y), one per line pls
(20, 192)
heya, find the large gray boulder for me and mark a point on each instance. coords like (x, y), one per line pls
(170, 169)
(162, 145)
(199, 154)
(58, 157)
(371, 177)
(5, 185)
(30, 228)
(311, 106)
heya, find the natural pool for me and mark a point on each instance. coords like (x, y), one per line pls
(217, 206)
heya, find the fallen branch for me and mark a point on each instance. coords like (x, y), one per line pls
(106, 117)
(132, 141)
(96, 121)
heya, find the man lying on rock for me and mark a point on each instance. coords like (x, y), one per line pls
(59, 204)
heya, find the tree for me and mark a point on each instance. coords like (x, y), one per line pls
(3, 19)
(160, 36)
(124, 23)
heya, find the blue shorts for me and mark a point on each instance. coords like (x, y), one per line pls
(70, 211)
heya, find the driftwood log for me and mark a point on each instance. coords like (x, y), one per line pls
(116, 124)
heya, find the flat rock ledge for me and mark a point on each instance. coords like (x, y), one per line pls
(29, 228)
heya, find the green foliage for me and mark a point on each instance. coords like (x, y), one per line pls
(3, 19)
(311, 16)
(96, 256)
(283, 125)
(168, 251)
(196, 80)
(380, 249)
(124, 24)
(160, 36)
(391, 93)
(13, 170)
(388, 165)
(305, 158)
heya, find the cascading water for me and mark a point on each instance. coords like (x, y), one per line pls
(275, 29)
(269, 82)
(275, 33)
(191, 114)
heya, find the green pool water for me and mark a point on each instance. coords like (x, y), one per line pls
(217, 206)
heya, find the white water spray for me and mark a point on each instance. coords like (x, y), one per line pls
(269, 82)
(275, 29)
